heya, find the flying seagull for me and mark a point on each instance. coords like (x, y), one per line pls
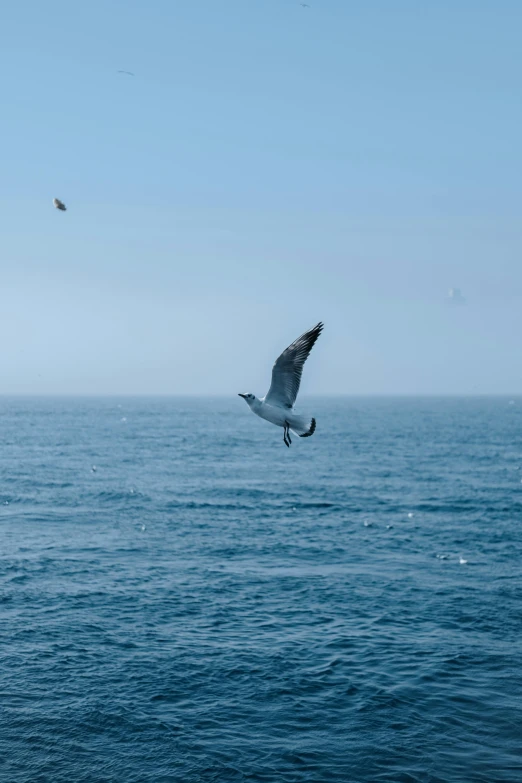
(277, 406)
(59, 204)
(127, 72)
(304, 5)
(455, 296)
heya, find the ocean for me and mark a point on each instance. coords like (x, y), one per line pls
(183, 598)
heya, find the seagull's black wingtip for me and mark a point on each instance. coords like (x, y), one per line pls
(310, 337)
(316, 330)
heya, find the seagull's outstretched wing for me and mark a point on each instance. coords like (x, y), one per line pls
(287, 371)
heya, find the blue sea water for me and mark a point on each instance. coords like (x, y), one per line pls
(208, 605)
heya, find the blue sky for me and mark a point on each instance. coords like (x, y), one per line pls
(268, 166)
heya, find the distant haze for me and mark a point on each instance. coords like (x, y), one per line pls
(266, 167)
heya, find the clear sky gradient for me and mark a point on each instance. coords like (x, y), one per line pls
(267, 167)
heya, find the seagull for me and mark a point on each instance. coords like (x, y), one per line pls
(129, 73)
(277, 406)
(59, 204)
(304, 5)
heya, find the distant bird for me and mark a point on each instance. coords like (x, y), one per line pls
(462, 561)
(304, 5)
(129, 73)
(455, 296)
(277, 406)
(59, 204)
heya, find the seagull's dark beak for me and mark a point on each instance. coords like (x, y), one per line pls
(244, 396)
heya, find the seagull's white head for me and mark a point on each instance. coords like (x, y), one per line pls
(249, 398)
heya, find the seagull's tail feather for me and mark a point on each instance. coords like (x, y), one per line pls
(302, 426)
(310, 431)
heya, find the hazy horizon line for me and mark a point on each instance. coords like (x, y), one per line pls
(196, 395)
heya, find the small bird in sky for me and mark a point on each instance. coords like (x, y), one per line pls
(277, 406)
(129, 73)
(304, 5)
(455, 296)
(59, 204)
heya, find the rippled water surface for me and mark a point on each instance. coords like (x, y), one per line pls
(207, 605)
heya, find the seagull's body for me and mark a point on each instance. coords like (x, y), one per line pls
(282, 417)
(59, 204)
(277, 406)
